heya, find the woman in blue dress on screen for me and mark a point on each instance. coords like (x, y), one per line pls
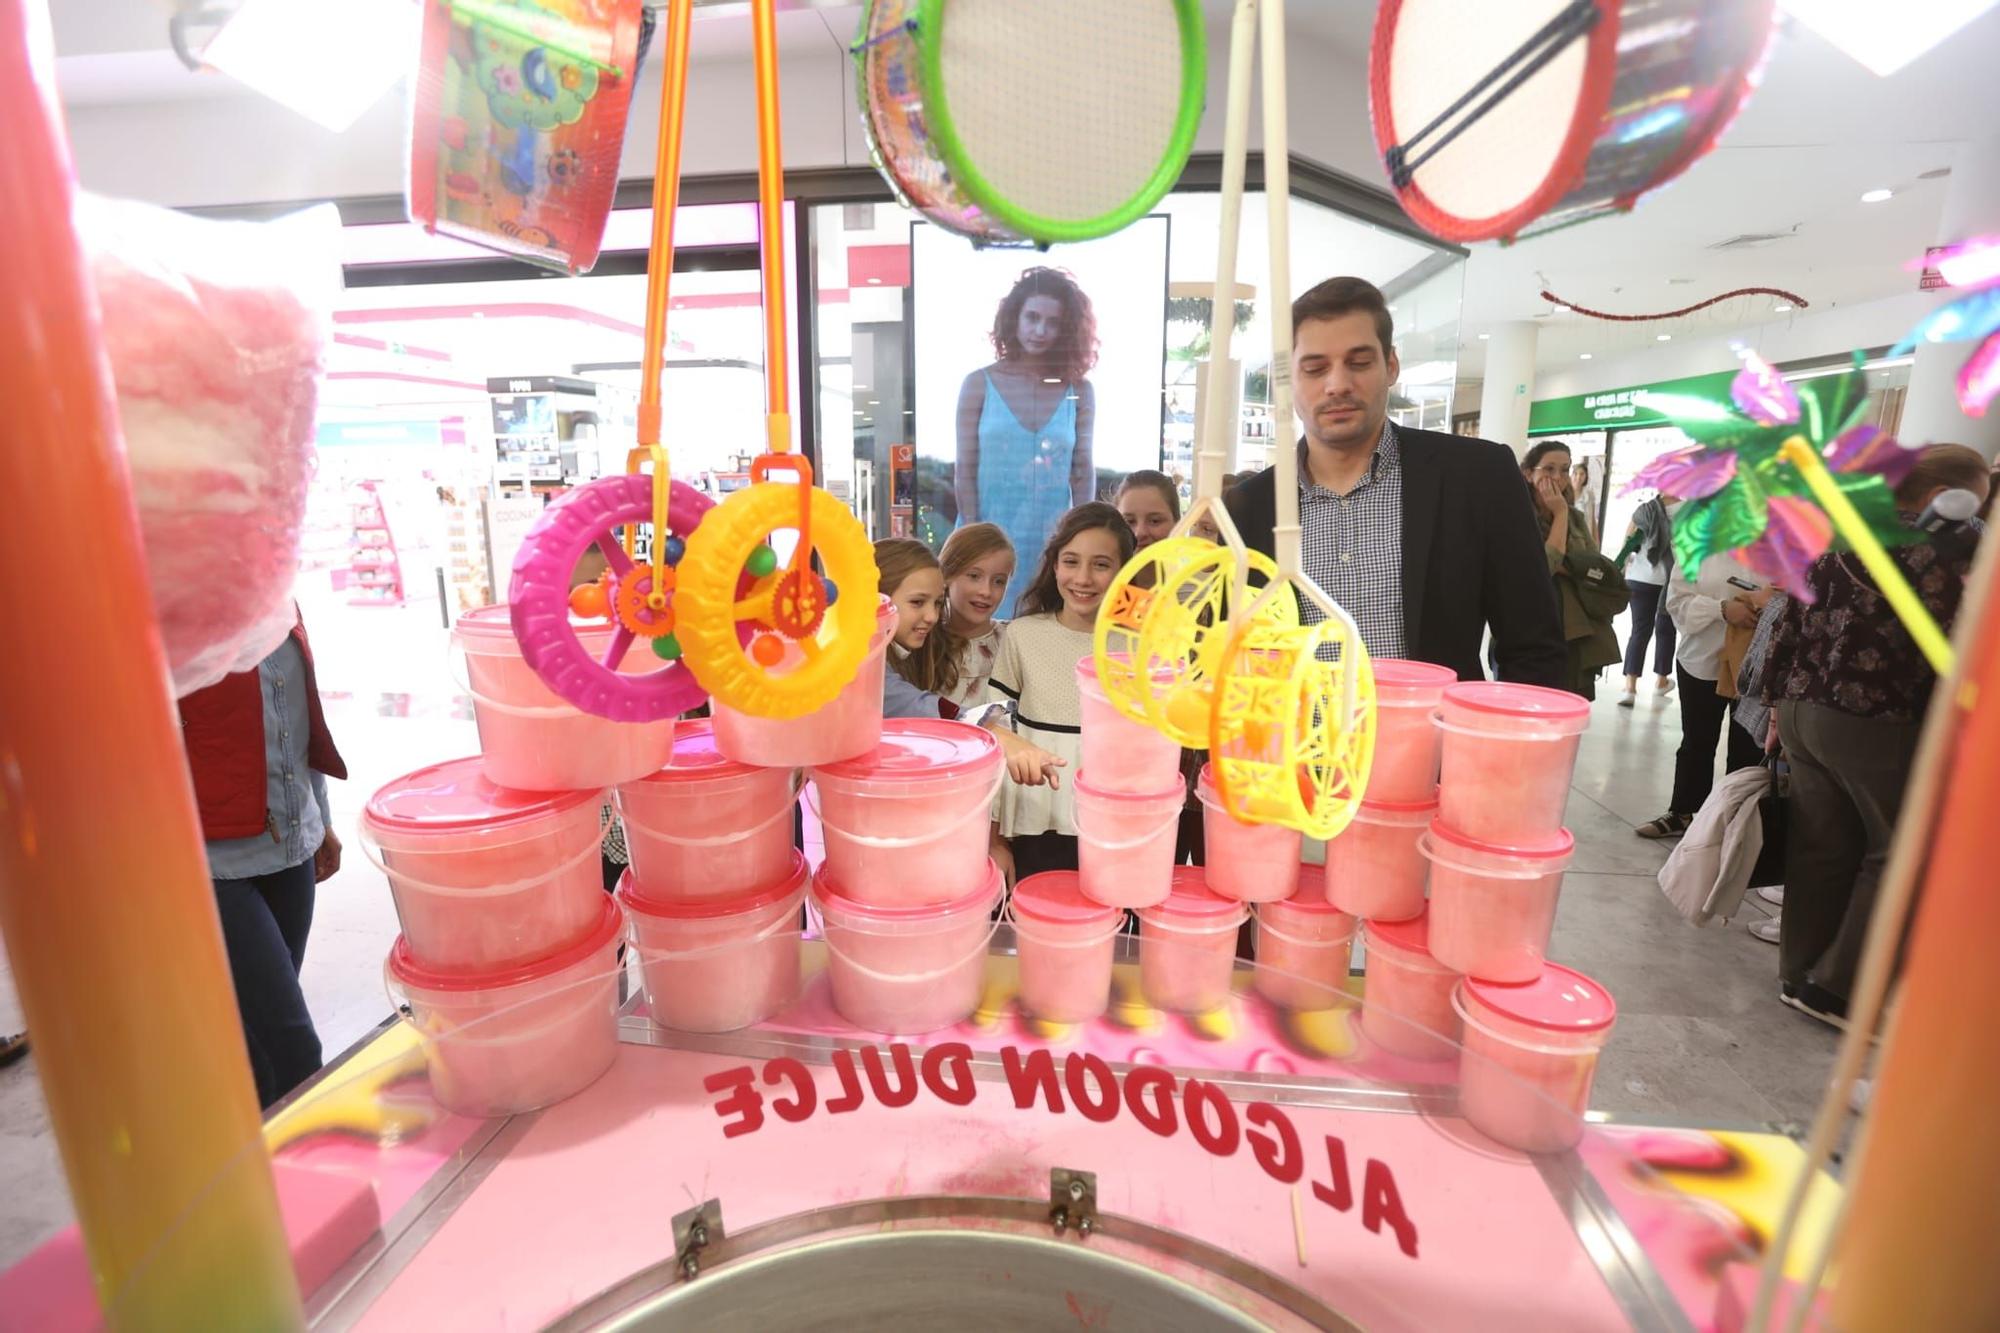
(1025, 421)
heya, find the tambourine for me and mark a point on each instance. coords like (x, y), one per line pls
(1497, 118)
(519, 110)
(1031, 120)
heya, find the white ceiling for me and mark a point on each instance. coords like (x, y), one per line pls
(1819, 132)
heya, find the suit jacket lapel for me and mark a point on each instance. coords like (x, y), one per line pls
(1422, 488)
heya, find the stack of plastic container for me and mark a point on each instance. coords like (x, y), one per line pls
(715, 886)
(1470, 963)
(908, 896)
(1129, 795)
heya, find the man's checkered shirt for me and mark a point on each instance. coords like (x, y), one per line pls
(1352, 546)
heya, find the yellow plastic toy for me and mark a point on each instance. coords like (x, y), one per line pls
(806, 641)
(1286, 710)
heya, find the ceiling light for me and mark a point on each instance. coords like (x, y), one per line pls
(327, 62)
(874, 282)
(1781, 309)
(1663, 337)
(1585, 356)
(1484, 336)
(1882, 37)
(1878, 196)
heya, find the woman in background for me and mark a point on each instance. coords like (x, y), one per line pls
(1150, 503)
(1025, 422)
(1648, 559)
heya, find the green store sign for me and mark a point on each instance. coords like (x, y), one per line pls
(1615, 409)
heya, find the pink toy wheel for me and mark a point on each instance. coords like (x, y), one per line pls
(538, 600)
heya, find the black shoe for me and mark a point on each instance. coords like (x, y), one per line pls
(1814, 1002)
(1669, 825)
(13, 1049)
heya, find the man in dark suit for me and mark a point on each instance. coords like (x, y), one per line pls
(1425, 539)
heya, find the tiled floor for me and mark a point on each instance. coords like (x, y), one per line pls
(1700, 1037)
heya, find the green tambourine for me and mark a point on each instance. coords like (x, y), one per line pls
(1040, 121)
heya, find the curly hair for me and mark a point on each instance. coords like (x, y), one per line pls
(1075, 351)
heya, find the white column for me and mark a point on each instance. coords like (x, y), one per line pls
(1509, 385)
(1931, 413)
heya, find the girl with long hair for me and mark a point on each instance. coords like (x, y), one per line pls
(978, 565)
(1037, 670)
(1025, 421)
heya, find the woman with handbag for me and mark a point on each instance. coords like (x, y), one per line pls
(1589, 587)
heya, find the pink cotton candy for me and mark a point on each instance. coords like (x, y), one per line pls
(215, 333)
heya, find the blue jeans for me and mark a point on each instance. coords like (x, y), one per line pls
(265, 920)
(1650, 621)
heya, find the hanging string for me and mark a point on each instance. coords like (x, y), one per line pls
(1779, 292)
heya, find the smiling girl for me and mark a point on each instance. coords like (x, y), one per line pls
(1037, 671)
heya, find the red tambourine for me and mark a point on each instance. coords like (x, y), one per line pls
(1512, 119)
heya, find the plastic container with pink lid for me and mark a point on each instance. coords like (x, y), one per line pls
(484, 876)
(1407, 695)
(906, 970)
(1187, 945)
(1123, 755)
(1065, 944)
(1530, 1054)
(706, 826)
(516, 1039)
(908, 823)
(1125, 842)
(849, 725)
(532, 740)
(1305, 949)
(1508, 754)
(1493, 906)
(1375, 869)
(1406, 994)
(719, 964)
(1252, 863)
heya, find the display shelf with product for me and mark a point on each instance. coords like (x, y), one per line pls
(374, 571)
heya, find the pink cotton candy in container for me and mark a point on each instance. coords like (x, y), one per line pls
(1187, 945)
(1375, 868)
(848, 726)
(1252, 863)
(1406, 994)
(906, 970)
(1407, 695)
(717, 965)
(1125, 842)
(1508, 754)
(485, 877)
(1122, 755)
(909, 822)
(1530, 1054)
(534, 741)
(1305, 949)
(1493, 906)
(515, 1039)
(705, 826)
(1065, 943)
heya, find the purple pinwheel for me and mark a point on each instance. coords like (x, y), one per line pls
(1742, 495)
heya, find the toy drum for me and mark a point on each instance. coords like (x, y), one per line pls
(1498, 120)
(1031, 120)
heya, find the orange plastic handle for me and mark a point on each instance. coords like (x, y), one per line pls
(771, 213)
(666, 199)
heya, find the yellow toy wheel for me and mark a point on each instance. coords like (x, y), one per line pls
(1166, 615)
(813, 636)
(1293, 731)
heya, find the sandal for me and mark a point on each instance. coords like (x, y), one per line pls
(1669, 825)
(13, 1048)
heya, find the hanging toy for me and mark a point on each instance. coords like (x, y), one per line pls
(638, 596)
(1041, 121)
(764, 631)
(1504, 120)
(1287, 710)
